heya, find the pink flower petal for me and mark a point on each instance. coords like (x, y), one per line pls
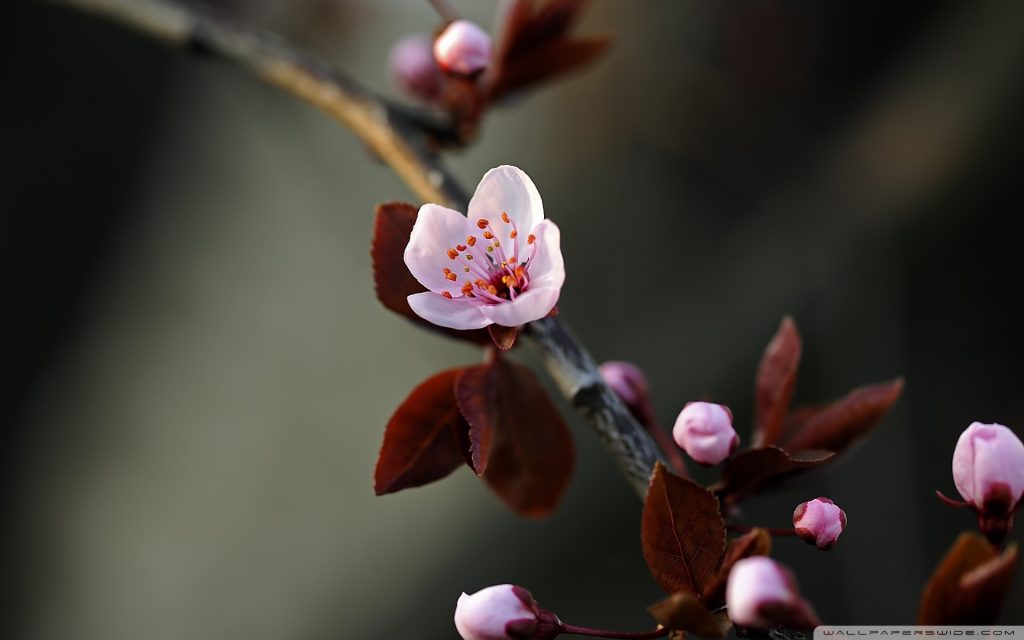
(507, 189)
(536, 303)
(548, 268)
(437, 230)
(454, 314)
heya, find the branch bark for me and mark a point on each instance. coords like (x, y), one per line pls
(399, 138)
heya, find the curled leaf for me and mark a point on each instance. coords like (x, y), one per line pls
(969, 585)
(520, 443)
(422, 441)
(683, 533)
(776, 380)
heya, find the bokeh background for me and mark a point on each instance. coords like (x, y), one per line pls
(197, 374)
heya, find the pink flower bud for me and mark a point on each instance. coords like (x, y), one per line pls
(819, 522)
(988, 468)
(705, 431)
(463, 48)
(629, 383)
(761, 593)
(504, 612)
(413, 67)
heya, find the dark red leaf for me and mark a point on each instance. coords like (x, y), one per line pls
(757, 542)
(546, 62)
(422, 441)
(685, 611)
(536, 45)
(751, 470)
(476, 392)
(683, 533)
(838, 425)
(503, 337)
(531, 452)
(776, 379)
(392, 280)
(969, 585)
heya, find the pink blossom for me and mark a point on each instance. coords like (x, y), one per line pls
(628, 382)
(413, 67)
(501, 265)
(819, 522)
(761, 593)
(705, 431)
(500, 612)
(988, 468)
(463, 47)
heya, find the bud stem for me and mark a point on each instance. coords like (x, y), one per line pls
(444, 10)
(668, 447)
(602, 633)
(779, 532)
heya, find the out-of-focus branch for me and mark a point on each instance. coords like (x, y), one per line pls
(393, 135)
(403, 143)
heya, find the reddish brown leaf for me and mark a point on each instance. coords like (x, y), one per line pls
(750, 470)
(969, 585)
(548, 62)
(392, 280)
(841, 423)
(476, 392)
(683, 533)
(757, 542)
(536, 45)
(531, 452)
(528, 26)
(685, 611)
(776, 379)
(422, 442)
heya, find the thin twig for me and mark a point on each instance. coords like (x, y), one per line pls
(403, 145)
(444, 10)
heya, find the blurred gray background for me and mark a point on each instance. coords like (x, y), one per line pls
(197, 374)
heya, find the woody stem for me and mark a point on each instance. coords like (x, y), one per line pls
(603, 633)
(405, 143)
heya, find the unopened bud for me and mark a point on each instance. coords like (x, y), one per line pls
(413, 67)
(630, 384)
(988, 470)
(819, 522)
(504, 612)
(704, 430)
(463, 48)
(761, 593)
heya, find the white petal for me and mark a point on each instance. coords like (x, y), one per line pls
(454, 314)
(507, 189)
(536, 303)
(437, 230)
(547, 269)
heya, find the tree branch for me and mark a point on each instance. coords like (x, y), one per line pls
(403, 143)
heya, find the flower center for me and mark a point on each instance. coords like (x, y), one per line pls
(485, 271)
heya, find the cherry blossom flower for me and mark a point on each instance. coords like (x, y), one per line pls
(819, 522)
(704, 430)
(501, 265)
